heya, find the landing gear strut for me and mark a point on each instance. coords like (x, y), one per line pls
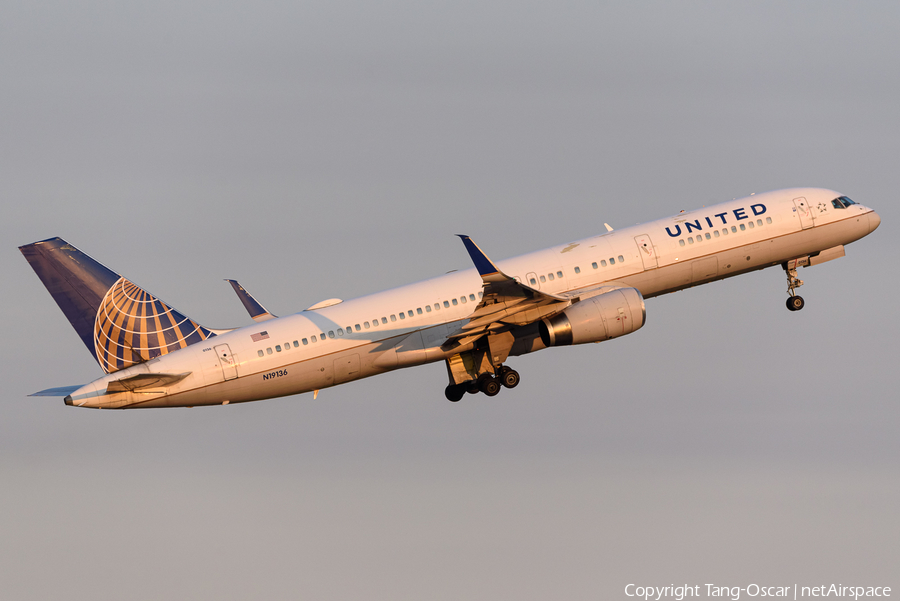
(795, 302)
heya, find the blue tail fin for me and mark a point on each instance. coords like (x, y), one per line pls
(120, 323)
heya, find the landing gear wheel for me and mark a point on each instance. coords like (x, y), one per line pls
(509, 377)
(488, 385)
(795, 303)
(471, 387)
(454, 392)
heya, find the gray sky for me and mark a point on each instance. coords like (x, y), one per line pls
(323, 149)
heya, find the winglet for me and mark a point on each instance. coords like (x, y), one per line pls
(256, 311)
(486, 268)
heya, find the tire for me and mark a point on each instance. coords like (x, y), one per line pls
(489, 386)
(509, 378)
(454, 393)
(795, 303)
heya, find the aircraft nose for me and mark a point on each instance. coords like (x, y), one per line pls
(874, 221)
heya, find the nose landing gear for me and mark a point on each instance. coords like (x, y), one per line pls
(795, 302)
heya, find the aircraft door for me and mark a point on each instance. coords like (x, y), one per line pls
(807, 219)
(647, 252)
(226, 361)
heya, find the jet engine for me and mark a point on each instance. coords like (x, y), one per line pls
(595, 319)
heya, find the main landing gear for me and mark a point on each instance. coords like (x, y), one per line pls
(795, 302)
(489, 384)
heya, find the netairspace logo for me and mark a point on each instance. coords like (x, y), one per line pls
(714, 591)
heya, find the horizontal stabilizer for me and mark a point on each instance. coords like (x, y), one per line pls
(61, 391)
(145, 381)
(257, 311)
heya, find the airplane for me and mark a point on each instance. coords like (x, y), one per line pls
(590, 290)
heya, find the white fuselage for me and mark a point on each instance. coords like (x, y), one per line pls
(406, 326)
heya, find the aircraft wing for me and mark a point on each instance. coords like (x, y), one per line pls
(506, 301)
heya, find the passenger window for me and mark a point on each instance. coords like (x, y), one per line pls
(550, 276)
(481, 294)
(313, 338)
(428, 308)
(768, 220)
(277, 348)
(455, 302)
(463, 300)
(305, 342)
(269, 351)
(594, 265)
(750, 224)
(419, 310)
(716, 234)
(357, 327)
(724, 231)
(543, 279)
(559, 274)
(691, 240)
(612, 261)
(296, 344)
(621, 259)
(699, 238)
(340, 331)
(533, 282)
(446, 304)
(393, 318)
(260, 353)
(578, 270)
(322, 336)
(366, 325)
(402, 315)
(331, 333)
(743, 227)
(410, 313)
(384, 320)
(603, 262)
(707, 235)
(472, 297)
(681, 243)
(734, 229)
(759, 222)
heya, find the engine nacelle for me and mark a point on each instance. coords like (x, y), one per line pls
(595, 319)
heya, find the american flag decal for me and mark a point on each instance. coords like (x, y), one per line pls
(259, 336)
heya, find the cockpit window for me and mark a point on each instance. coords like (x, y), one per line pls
(842, 202)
